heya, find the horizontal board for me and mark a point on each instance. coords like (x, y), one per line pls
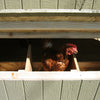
(66, 4)
(49, 4)
(31, 4)
(13, 4)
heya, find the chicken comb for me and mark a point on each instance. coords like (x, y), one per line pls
(71, 45)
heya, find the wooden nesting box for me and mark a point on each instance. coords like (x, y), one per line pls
(77, 84)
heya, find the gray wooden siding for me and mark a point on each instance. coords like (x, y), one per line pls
(13, 4)
(31, 4)
(50, 90)
(50, 4)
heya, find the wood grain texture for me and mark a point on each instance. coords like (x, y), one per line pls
(3, 95)
(15, 90)
(88, 89)
(2, 6)
(33, 90)
(52, 90)
(49, 4)
(31, 4)
(66, 4)
(97, 97)
(96, 4)
(84, 4)
(13, 4)
(70, 89)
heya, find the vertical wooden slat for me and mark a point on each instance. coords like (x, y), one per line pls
(31, 4)
(15, 90)
(3, 95)
(66, 4)
(84, 4)
(13, 4)
(52, 90)
(2, 4)
(33, 90)
(49, 4)
(97, 97)
(88, 89)
(70, 89)
(96, 4)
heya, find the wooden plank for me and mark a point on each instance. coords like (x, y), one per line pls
(3, 94)
(31, 4)
(70, 89)
(66, 4)
(28, 66)
(13, 4)
(96, 4)
(97, 97)
(52, 90)
(15, 90)
(2, 6)
(84, 4)
(88, 89)
(49, 4)
(52, 18)
(33, 90)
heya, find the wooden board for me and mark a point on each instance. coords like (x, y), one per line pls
(88, 89)
(70, 89)
(97, 96)
(52, 90)
(96, 4)
(13, 4)
(33, 90)
(2, 6)
(84, 4)
(15, 90)
(3, 93)
(49, 4)
(31, 4)
(66, 4)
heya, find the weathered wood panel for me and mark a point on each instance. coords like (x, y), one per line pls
(88, 89)
(84, 4)
(66, 4)
(33, 90)
(96, 4)
(15, 90)
(3, 95)
(52, 90)
(70, 89)
(97, 97)
(49, 4)
(31, 4)
(13, 4)
(2, 6)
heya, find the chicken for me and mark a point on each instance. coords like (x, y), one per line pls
(58, 60)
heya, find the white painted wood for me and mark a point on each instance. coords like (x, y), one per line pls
(2, 6)
(88, 89)
(33, 90)
(15, 90)
(70, 89)
(84, 4)
(52, 90)
(31, 4)
(74, 11)
(3, 95)
(51, 35)
(13, 4)
(66, 4)
(96, 4)
(49, 4)
(97, 97)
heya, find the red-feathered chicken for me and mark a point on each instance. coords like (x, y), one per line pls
(58, 60)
